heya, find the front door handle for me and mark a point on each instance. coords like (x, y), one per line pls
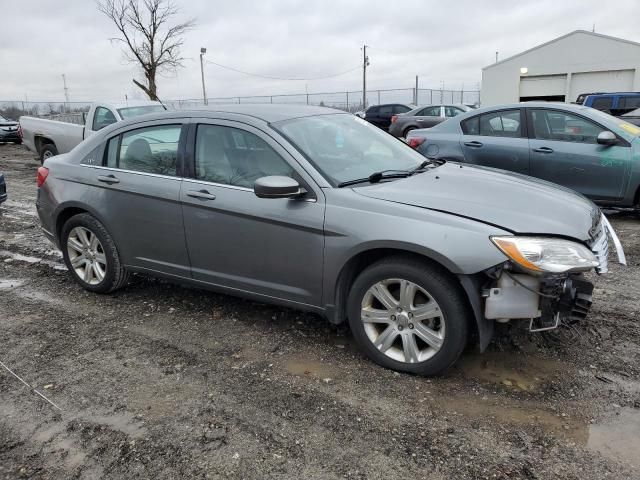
(108, 179)
(543, 150)
(473, 144)
(201, 194)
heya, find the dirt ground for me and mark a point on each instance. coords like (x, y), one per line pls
(163, 381)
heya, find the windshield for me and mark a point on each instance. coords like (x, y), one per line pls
(129, 112)
(4, 119)
(625, 129)
(344, 147)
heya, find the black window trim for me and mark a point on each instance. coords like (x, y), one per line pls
(529, 111)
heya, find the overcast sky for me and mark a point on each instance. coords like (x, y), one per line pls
(439, 41)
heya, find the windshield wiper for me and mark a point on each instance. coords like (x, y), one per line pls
(376, 177)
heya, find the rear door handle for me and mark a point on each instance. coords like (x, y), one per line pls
(201, 194)
(108, 179)
(473, 144)
(543, 150)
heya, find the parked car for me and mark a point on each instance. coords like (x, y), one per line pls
(9, 131)
(578, 147)
(613, 103)
(423, 117)
(380, 115)
(583, 96)
(50, 137)
(318, 210)
(3, 189)
(632, 117)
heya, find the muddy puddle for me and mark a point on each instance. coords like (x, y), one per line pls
(304, 367)
(618, 436)
(519, 372)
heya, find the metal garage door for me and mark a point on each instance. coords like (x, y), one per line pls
(606, 81)
(543, 87)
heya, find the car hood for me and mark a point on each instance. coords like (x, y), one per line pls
(8, 123)
(507, 200)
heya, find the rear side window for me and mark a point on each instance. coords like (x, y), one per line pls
(401, 109)
(471, 126)
(430, 112)
(626, 105)
(232, 156)
(450, 111)
(385, 110)
(603, 103)
(147, 150)
(501, 124)
(103, 117)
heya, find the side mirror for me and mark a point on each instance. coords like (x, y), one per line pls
(607, 138)
(277, 187)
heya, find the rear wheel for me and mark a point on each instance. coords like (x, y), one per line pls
(48, 150)
(408, 316)
(407, 130)
(91, 255)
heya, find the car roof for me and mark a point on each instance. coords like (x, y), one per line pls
(266, 112)
(559, 105)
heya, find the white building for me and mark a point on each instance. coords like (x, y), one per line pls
(560, 70)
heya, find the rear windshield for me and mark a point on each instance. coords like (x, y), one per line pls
(129, 112)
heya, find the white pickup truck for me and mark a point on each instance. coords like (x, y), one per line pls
(51, 137)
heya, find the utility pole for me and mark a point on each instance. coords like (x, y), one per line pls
(66, 92)
(365, 64)
(496, 56)
(204, 91)
(415, 99)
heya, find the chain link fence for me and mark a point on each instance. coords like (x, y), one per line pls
(350, 101)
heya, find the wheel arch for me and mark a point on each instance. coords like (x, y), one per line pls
(67, 210)
(470, 285)
(40, 141)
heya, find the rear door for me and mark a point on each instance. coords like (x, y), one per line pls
(564, 150)
(138, 196)
(497, 139)
(270, 247)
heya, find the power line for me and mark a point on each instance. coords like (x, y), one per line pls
(270, 77)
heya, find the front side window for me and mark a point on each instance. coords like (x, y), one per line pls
(563, 127)
(103, 117)
(450, 111)
(344, 147)
(505, 123)
(147, 150)
(232, 156)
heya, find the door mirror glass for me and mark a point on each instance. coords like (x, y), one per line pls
(607, 138)
(277, 186)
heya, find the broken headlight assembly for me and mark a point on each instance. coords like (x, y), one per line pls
(539, 255)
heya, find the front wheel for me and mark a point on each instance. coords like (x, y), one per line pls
(409, 316)
(91, 255)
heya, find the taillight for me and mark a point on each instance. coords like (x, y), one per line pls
(394, 119)
(43, 172)
(415, 142)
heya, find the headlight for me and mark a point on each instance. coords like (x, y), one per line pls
(553, 255)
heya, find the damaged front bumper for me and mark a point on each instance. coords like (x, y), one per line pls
(550, 299)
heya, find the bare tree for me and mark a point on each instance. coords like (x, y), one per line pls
(148, 35)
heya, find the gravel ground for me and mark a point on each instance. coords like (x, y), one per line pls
(164, 381)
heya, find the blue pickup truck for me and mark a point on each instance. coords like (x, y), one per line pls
(616, 104)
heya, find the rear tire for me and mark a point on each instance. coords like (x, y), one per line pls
(91, 255)
(406, 132)
(423, 330)
(48, 150)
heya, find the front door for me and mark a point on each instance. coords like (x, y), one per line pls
(496, 139)
(564, 150)
(269, 247)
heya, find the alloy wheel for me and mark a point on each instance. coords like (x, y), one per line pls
(403, 320)
(86, 255)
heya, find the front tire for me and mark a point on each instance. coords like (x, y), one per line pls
(409, 316)
(91, 255)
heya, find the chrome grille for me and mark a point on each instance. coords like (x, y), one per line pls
(600, 248)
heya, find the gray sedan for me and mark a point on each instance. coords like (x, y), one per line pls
(424, 117)
(578, 147)
(319, 210)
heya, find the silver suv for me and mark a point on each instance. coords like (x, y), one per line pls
(319, 210)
